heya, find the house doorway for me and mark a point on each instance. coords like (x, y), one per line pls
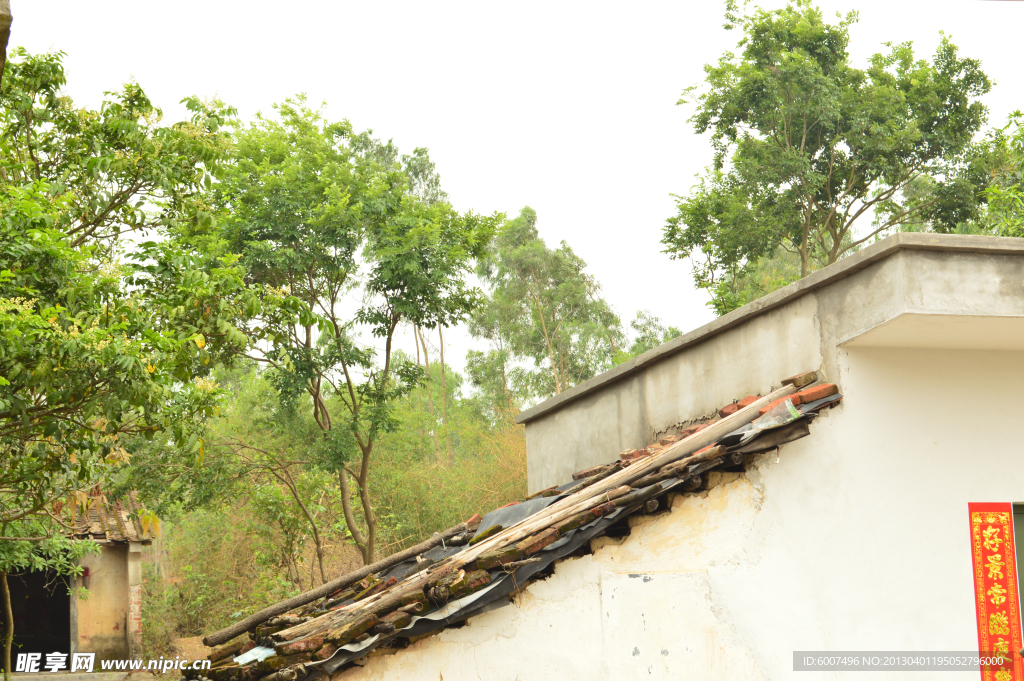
(42, 614)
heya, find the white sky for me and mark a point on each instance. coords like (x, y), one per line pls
(568, 107)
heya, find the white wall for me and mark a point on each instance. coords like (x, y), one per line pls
(857, 539)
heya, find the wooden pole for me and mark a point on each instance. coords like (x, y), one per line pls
(575, 503)
(228, 633)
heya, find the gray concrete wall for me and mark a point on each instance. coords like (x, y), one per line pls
(799, 328)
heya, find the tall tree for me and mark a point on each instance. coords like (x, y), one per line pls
(1001, 158)
(319, 217)
(100, 341)
(809, 147)
(544, 306)
(648, 333)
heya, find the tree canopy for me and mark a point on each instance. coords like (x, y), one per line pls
(809, 148)
(545, 307)
(343, 238)
(105, 335)
(100, 340)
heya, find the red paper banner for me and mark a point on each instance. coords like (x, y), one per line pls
(995, 589)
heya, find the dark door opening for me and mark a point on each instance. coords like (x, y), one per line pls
(42, 614)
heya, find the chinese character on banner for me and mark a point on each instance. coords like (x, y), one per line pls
(28, 662)
(996, 602)
(82, 662)
(56, 661)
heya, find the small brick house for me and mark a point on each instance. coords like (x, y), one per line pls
(109, 621)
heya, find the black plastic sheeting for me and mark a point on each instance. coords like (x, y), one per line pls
(504, 583)
(510, 515)
(818, 404)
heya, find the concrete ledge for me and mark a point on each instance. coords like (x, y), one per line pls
(877, 251)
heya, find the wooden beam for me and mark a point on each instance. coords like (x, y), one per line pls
(593, 495)
(228, 633)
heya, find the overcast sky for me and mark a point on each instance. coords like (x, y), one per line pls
(568, 107)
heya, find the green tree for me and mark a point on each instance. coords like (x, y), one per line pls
(648, 333)
(544, 307)
(268, 442)
(5, 32)
(100, 341)
(318, 216)
(1004, 152)
(809, 147)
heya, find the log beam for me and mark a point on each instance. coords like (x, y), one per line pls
(228, 633)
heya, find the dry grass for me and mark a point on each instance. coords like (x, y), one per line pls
(191, 648)
(420, 498)
(215, 566)
(211, 569)
(340, 558)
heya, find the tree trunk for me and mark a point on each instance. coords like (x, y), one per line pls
(444, 402)
(805, 243)
(369, 547)
(416, 336)
(346, 509)
(5, 32)
(8, 614)
(804, 247)
(544, 328)
(430, 399)
(293, 488)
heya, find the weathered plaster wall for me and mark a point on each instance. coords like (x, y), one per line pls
(743, 361)
(856, 539)
(103, 616)
(623, 612)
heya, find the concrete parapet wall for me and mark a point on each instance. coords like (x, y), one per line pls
(907, 278)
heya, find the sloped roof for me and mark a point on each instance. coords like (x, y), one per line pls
(116, 521)
(479, 570)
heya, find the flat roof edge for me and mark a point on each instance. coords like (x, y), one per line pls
(879, 250)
